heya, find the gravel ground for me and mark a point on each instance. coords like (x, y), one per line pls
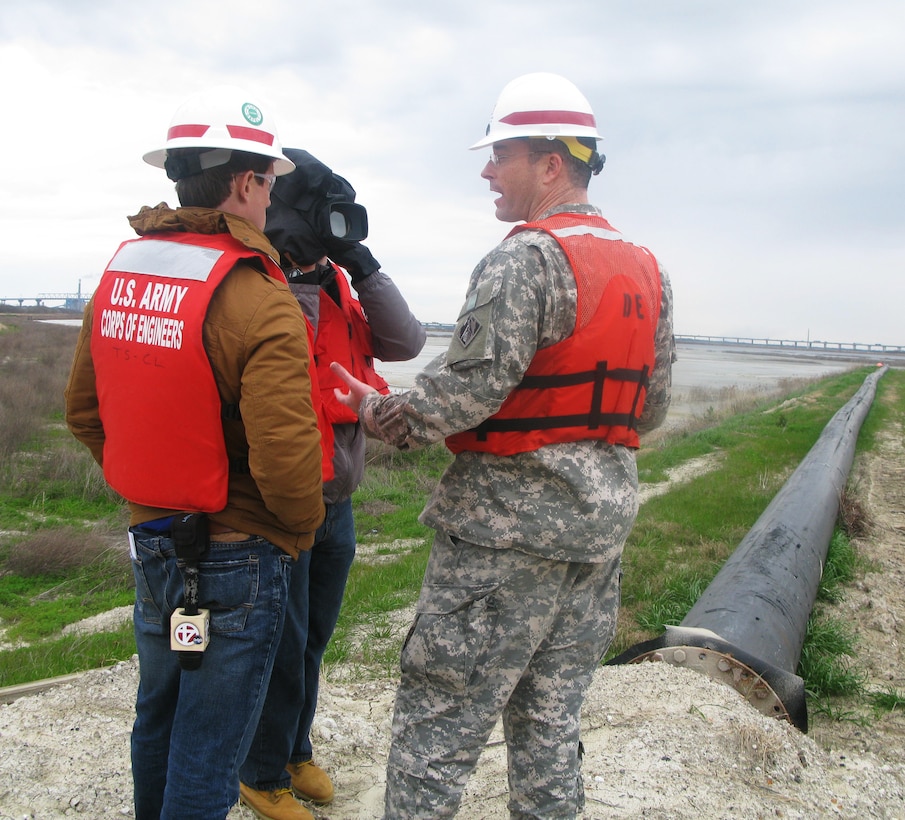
(660, 742)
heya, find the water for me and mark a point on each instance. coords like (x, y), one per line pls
(400, 375)
(63, 322)
(715, 367)
(700, 368)
(705, 378)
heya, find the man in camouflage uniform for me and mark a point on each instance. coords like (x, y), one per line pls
(521, 592)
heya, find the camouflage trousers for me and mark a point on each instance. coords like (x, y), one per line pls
(498, 633)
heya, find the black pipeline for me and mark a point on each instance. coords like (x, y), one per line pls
(748, 627)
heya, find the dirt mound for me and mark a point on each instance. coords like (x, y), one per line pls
(659, 742)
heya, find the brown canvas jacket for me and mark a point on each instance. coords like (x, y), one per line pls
(256, 340)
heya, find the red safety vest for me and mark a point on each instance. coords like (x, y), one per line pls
(157, 396)
(591, 385)
(344, 336)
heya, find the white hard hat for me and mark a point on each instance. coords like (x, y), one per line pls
(227, 118)
(540, 105)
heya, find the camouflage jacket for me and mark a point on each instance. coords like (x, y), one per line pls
(573, 502)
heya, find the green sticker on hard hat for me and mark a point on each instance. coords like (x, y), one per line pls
(252, 113)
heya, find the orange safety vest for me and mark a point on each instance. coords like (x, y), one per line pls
(157, 396)
(591, 385)
(344, 336)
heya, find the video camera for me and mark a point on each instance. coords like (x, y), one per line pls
(325, 199)
(313, 214)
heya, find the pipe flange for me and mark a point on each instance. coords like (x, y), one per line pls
(727, 670)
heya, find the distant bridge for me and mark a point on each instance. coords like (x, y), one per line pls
(859, 348)
(77, 301)
(795, 344)
(69, 301)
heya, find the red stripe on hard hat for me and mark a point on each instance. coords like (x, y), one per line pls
(240, 132)
(547, 117)
(178, 131)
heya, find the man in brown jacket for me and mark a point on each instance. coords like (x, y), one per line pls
(191, 387)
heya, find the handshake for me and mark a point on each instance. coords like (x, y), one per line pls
(313, 214)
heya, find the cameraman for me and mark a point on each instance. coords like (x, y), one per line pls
(378, 323)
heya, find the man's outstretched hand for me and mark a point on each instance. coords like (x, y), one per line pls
(357, 389)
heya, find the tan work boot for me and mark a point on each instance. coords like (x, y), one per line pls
(276, 805)
(310, 782)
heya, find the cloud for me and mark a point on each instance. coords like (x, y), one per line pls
(755, 148)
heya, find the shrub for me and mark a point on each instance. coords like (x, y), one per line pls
(63, 551)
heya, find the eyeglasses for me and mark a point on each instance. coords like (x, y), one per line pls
(270, 179)
(497, 159)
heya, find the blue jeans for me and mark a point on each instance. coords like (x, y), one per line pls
(315, 596)
(192, 728)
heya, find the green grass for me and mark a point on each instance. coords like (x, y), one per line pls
(887, 700)
(670, 606)
(33, 608)
(392, 494)
(365, 634)
(842, 565)
(63, 656)
(46, 512)
(826, 662)
(387, 505)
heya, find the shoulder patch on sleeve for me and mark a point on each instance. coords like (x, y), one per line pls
(468, 330)
(471, 341)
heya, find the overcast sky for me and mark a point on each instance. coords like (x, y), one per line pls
(757, 147)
